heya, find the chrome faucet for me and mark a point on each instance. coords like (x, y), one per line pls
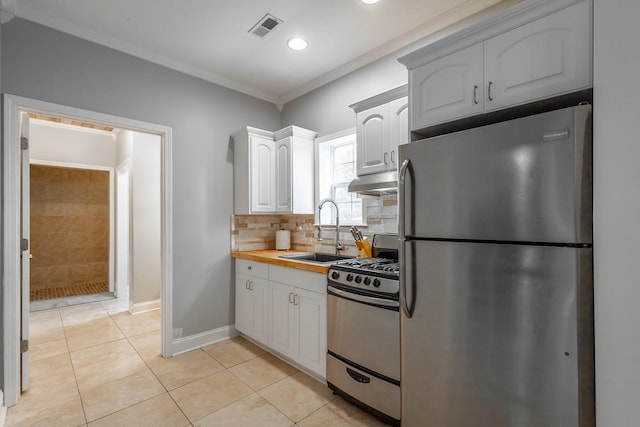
(339, 246)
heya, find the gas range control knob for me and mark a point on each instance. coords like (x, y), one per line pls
(358, 279)
(376, 283)
(367, 281)
(349, 277)
(335, 275)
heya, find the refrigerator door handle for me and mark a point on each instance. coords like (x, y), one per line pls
(402, 236)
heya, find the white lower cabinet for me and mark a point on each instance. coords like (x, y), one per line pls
(250, 301)
(292, 306)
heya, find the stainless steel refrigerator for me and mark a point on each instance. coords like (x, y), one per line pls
(495, 228)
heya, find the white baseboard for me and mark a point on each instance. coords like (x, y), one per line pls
(141, 307)
(192, 342)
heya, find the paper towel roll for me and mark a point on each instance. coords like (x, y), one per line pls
(283, 240)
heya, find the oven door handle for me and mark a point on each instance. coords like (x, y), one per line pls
(363, 298)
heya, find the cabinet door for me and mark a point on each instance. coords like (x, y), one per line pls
(547, 57)
(250, 306)
(399, 134)
(262, 174)
(283, 175)
(281, 312)
(372, 130)
(244, 305)
(259, 289)
(448, 88)
(311, 330)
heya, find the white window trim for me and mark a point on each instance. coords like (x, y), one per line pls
(344, 135)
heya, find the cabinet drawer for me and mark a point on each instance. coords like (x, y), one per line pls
(314, 282)
(252, 268)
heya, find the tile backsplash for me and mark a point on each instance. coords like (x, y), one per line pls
(258, 232)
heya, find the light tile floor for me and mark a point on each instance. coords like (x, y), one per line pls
(97, 365)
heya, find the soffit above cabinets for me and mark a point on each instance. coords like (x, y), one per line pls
(211, 39)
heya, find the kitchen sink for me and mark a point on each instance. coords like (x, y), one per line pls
(316, 257)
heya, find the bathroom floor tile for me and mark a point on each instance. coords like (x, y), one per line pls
(147, 345)
(252, 411)
(82, 313)
(233, 351)
(339, 413)
(205, 396)
(104, 363)
(161, 411)
(137, 324)
(91, 333)
(179, 370)
(105, 399)
(262, 371)
(54, 365)
(115, 376)
(63, 411)
(297, 396)
(47, 349)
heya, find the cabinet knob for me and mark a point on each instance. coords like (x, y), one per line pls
(489, 91)
(385, 157)
(249, 268)
(475, 94)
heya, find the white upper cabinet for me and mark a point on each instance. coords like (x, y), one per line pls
(262, 171)
(273, 171)
(534, 50)
(399, 110)
(448, 88)
(372, 134)
(294, 170)
(283, 174)
(546, 57)
(381, 125)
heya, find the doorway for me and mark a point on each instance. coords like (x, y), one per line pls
(71, 231)
(14, 249)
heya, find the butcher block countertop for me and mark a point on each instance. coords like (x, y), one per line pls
(273, 257)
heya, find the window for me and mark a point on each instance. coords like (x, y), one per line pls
(336, 168)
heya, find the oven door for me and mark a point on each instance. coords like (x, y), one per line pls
(364, 331)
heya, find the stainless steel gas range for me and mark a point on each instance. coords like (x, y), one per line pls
(363, 337)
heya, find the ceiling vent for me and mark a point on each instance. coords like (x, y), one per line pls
(265, 25)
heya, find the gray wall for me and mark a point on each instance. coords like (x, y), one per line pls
(326, 109)
(617, 211)
(48, 65)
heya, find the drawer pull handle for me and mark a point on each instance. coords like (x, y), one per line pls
(358, 377)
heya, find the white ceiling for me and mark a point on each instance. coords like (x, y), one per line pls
(210, 39)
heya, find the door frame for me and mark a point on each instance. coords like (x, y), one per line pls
(13, 105)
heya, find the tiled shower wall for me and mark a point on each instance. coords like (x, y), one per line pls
(69, 226)
(257, 232)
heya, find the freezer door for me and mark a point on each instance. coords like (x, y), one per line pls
(527, 180)
(501, 335)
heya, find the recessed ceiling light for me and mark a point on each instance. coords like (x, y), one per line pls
(297, 43)
(370, 1)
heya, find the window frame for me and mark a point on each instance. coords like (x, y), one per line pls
(335, 140)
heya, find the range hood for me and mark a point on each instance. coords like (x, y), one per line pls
(376, 184)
